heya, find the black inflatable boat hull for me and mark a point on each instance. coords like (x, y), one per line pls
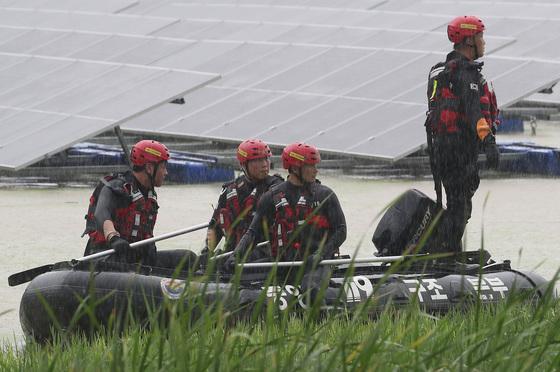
(55, 300)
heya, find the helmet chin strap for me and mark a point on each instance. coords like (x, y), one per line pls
(254, 180)
(299, 176)
(246, 173)
(476, 54)
(475, 48)
(152, 177)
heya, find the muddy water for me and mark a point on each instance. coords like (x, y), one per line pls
(521, 222)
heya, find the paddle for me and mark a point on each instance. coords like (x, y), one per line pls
(342, 261)
(28, 275)
(227, 254)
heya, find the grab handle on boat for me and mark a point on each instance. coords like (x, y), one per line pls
(343, 261)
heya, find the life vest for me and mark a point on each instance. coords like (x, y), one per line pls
(134, 222)
(291, 224)
(236, 215)
(445, 116)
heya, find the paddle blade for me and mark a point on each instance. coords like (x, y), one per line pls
(28, 275)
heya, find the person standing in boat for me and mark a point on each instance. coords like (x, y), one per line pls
(462, 118)
(304, 218)
(123, 207)
(238, 199)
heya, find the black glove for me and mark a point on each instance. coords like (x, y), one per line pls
(229, 264)
(491, 151)
(312, 261)
(120, 245)
(146, 253)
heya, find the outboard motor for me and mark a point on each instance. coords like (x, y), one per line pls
(405, 223)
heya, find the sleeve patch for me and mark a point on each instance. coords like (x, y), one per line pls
(474, 86)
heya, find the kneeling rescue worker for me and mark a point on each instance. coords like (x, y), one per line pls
(123, 207)
(462, 117)
(304, 217)
(238, 200)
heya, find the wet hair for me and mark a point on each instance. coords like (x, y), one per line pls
(462, 44)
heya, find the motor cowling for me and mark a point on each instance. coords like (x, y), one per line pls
(405, 223)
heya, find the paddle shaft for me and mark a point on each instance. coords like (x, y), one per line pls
(28, 275)
(227, 254)
(145, 241)
(342, 261)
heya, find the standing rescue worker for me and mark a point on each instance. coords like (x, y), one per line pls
(303, 218)
(462, 118)
(123, 208)
(238, 201)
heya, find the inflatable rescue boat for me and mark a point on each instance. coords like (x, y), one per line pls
(79, 299)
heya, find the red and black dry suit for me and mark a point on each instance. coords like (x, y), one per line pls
(459, 97)
(302, 221)
(299, 220)
(236, 208)
(132, 209)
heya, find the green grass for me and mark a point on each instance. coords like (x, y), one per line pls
(512, 336)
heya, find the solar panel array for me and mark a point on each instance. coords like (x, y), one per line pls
(546, 99)
(347, 76)
(535, 25)
(346, 80)
(56, 86)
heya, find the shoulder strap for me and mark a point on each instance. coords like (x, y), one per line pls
(438, 78)
(277, 192)
(273, 180)
(234, 181)
(117, 182)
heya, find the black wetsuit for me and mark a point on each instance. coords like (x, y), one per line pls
(310, 241)
(112, 203)
(243, 187)
(456, 154)
(327, 206)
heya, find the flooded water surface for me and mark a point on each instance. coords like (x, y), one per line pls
(521, 222)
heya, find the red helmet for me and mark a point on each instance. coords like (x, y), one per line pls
(464, 26)
(252, 149)
(298, 154)
(148, 151)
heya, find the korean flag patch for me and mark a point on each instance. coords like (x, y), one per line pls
(474, 86)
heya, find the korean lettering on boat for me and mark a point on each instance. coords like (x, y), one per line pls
(489, 288)
(426, 287)
(357, 289)
(284, 295)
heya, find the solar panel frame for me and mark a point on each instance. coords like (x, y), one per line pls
(85, 21)
(101, 6)
(69, 43)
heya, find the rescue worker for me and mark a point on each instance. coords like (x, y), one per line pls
(304, 217)
(123, 208)
(238, 199)
(462, 118)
